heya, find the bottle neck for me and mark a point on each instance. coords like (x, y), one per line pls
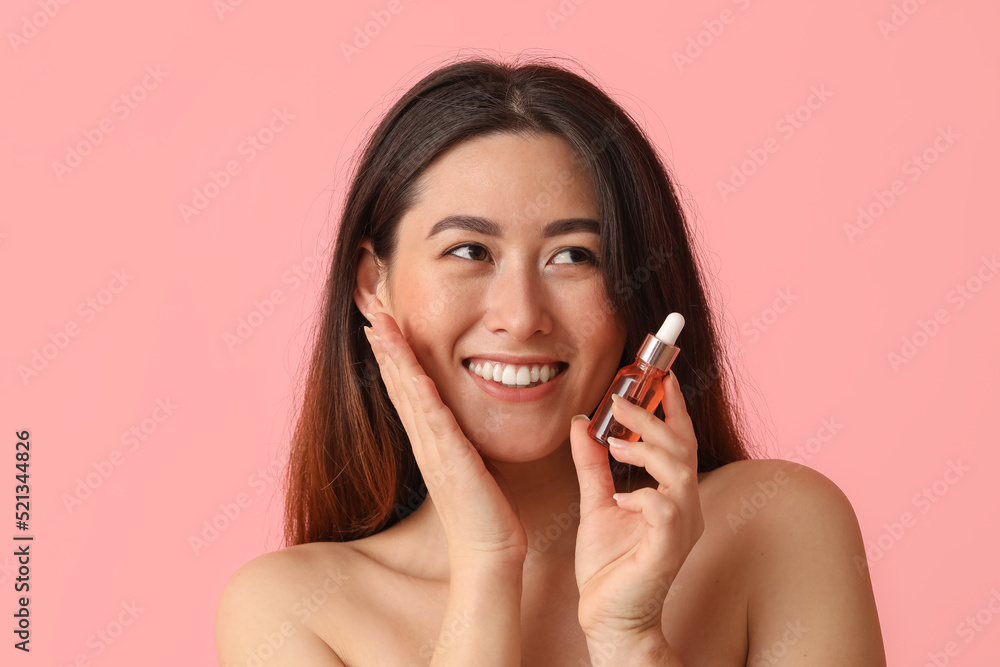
(655, 352)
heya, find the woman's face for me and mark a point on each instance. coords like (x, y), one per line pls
(496, 266)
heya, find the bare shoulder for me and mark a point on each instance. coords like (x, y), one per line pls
(773, 487)
(270, 606)
(810, 598)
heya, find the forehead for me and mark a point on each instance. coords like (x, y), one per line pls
(514, 179)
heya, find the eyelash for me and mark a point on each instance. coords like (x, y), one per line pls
(591, 258)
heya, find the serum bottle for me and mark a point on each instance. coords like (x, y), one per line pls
(637, 381)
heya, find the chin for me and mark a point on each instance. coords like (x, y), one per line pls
(515, 445)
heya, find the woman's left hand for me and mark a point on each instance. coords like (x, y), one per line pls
(629, 551)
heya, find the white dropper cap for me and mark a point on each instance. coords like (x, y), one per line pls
(659, 350)
(670, 328)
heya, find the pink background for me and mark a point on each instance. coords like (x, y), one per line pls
(162, 336)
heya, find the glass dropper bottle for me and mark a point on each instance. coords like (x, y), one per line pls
(639, 381)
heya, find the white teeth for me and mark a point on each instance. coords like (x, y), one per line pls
(515, 376)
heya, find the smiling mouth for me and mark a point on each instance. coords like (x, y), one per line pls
(517, 376)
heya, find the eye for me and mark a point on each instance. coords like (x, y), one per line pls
(575, 256)
(472, 251)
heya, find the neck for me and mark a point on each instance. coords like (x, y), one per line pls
(546, 494)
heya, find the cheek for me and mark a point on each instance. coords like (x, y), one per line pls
(431, 313)
(594, 320)
(429, 303)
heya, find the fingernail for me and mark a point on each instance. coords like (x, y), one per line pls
(575, 417)
(618, 443)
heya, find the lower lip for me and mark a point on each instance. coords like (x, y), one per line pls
(515, 395)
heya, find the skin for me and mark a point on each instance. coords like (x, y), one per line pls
(664, 572)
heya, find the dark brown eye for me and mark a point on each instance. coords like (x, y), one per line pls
(471, 251)
(575, 256)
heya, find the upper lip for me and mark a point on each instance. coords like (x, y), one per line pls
(515, 360)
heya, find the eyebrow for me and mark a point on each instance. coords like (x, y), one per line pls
(487, 227)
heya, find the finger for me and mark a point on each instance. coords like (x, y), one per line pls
(406, 361)
(390, 377)
(664, 519)
(650, 428)
(675, 408)
(404, 368)
(593, 470)
(439, 442)
(452, 447)
(675, 477)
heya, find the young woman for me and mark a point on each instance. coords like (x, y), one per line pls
(442, 512)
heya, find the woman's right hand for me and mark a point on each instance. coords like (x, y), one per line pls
(479, 522)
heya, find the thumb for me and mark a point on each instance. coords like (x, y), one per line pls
(593, 470)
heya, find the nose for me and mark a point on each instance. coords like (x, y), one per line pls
(517, 304)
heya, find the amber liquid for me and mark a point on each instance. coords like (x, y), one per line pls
(637, 383)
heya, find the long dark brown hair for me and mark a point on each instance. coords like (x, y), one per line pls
(351, 471)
